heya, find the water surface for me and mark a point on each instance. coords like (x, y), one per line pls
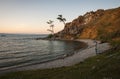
(23, 50)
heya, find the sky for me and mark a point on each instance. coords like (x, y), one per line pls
(30, 16)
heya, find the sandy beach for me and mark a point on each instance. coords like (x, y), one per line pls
(77, 57)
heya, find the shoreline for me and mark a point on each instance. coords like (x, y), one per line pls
(70, 60)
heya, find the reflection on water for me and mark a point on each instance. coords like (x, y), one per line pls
(22, 50)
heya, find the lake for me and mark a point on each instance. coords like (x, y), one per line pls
(18, 50)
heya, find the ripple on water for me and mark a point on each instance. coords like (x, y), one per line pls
(17, 51)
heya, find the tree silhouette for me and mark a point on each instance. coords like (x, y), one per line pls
(50, 22)
(61, 19)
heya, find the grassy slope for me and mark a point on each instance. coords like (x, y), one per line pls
(105, 27)
(108, 25)
(103, 66)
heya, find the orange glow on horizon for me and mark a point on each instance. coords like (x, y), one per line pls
(27, 29)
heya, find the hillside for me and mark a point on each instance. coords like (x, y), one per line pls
(101, 24)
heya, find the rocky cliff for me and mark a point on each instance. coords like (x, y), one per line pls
(101, 24)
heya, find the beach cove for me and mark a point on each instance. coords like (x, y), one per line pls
(77, 57)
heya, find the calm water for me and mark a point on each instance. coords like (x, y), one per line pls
(22, 50)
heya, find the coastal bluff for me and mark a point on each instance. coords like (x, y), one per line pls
(100, 24)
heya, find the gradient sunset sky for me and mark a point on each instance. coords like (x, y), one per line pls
(30, 16)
